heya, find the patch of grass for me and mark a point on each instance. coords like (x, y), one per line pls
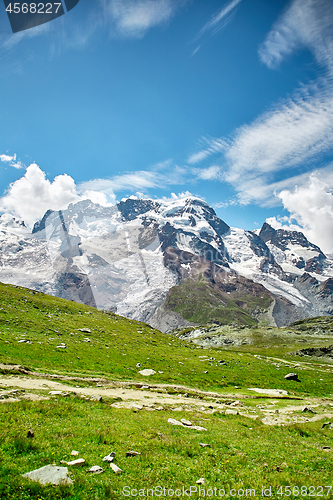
(242, 453)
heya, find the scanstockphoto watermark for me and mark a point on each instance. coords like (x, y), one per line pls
(190, 491)
(27, 14)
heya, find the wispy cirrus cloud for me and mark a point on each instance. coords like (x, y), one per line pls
(306, 23)
(133, 18)
(210, 146)
(219, 19)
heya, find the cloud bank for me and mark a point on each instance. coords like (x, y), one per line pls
(33, 194)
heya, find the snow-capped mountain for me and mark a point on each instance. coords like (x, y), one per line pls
(133, 259)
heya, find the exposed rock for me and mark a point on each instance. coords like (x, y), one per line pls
(292, 376)
(186, 422)
(96, 469)
(201, 481)
(326, 424)
(173, 421)
(109, 457)
(30, 433)
(270, 392)
(74, 453)
(204, 445)
(132, 453)
(231, 412)
(49, 475)
(76, 463)
(84, 330)
(147, 372)
(115, 468)
(96, 397)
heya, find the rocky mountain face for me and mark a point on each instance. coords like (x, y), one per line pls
(169, 263)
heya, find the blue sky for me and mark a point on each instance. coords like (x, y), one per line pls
(230, 101)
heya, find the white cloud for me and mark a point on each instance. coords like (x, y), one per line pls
(220, 19)
(32, 195)
(306, 23)
(210, 173)
(311, 205)
(211, 146)
(133, 18)
(12, 161)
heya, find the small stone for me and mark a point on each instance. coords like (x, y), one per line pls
(204, 445)
(55, 393)
(132, 453)
(74, 453)
(84, 330)
(76, 463)
(186, 422)
(49, 475)
(292, 376)
(138, 365)
(147, 372)
(231, 412)
(115, 468)
(96, 469)
(325, 424)
(173, 421)
(201, 481)
(30, 433)
(309, 410)
(136, 406)
(198, 428)
(326, 448)
(96, 398)
(109, 457)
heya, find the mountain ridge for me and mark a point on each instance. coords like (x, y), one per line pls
(131, 258)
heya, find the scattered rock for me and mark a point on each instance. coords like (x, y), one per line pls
(136, 406)
(84, 330)
(109, 457)
(231, 412)
(49, 474)
(115, 468)
(186, 422)
(201, 481)
(76, 463)
(326, 424)
(96, 469)
(292, 376)
(172, 421)
(96, 398)
(204, 445)
(74, 453)
(326, 448)
(198, 428)
(159, 408)
(138, 365)
(55, 393)
(309, 410)
(147, 372)
(30, 433)
(132, 453)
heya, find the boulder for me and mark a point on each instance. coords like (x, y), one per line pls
(292, 376)
(49, 475)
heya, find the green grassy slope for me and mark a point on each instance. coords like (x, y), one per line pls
(196, 301)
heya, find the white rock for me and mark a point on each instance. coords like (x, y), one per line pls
(201, 481)
(96, 469)
(115, 468)
(173, 421)
(74, 453)
(147, 372)
(198, 428)
(270, 392)
(76, 463)
(186, 422)
(109, 457)
(55, 393)
(49, 475)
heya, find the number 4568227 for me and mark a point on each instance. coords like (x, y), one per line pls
(33, 8)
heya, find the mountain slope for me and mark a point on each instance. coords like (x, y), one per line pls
(130, 259)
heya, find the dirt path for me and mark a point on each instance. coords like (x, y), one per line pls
(148, 398)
